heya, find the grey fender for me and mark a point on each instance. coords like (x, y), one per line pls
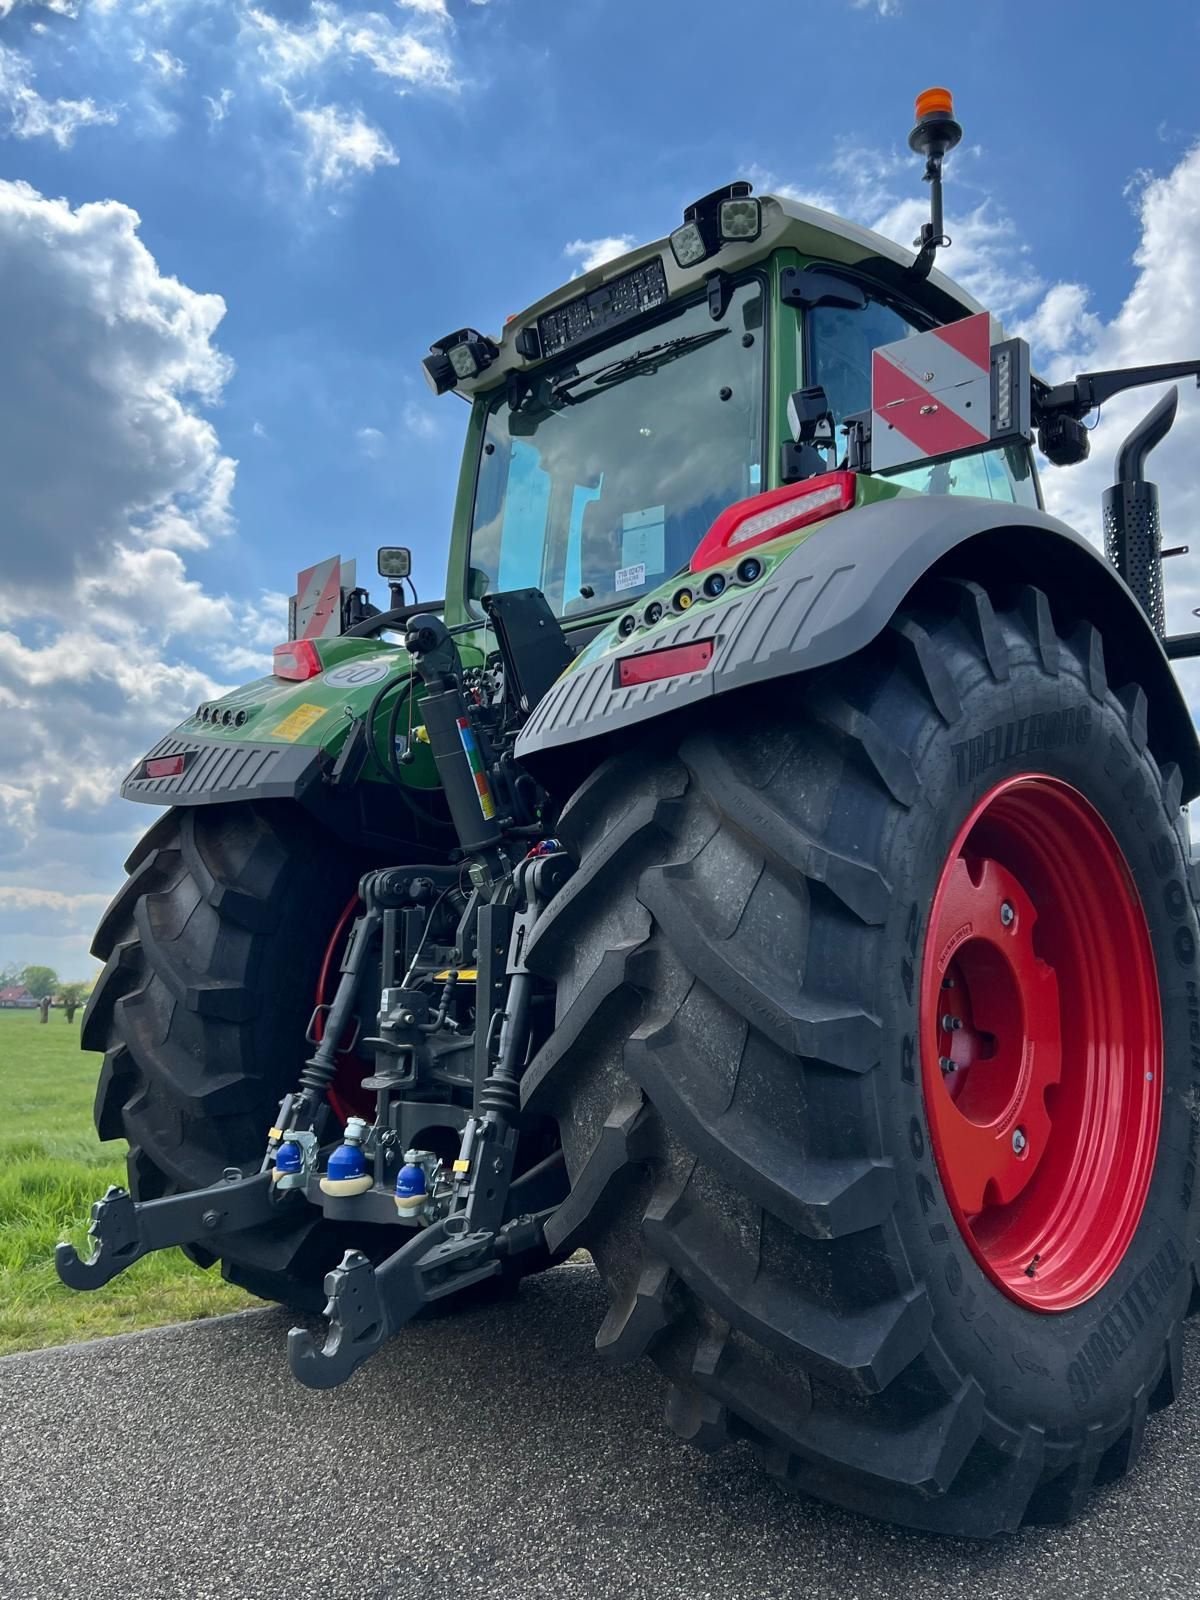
(836, 592)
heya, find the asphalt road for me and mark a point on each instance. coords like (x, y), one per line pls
(487, 1454)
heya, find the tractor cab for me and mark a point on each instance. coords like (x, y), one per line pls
(617, 418)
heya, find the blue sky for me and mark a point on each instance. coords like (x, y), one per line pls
(229, 231)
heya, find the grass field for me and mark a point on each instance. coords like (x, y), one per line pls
(52, 1167)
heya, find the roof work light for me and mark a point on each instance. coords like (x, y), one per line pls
(464, 354)
(719, 218)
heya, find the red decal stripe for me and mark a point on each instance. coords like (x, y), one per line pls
(902, 403)
(972, 338)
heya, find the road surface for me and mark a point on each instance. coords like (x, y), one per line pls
(490, 1454)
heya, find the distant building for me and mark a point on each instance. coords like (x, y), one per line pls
(17, 997)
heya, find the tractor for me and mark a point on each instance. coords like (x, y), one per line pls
(766, 869)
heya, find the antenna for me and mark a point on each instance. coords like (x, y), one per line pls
(935, 134)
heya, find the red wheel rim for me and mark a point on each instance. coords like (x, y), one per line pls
(1041, 1042)
(345, 1094)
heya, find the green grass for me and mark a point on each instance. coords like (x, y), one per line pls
(52, 1167)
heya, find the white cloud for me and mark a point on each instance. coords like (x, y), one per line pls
(418, 420)
(167, 66)
(409, 55)
(218, 106)
(103, 364)
(885, 8)
(595, 252)
(109, 474)
(338, 144)
(31, 116)
(371, 442)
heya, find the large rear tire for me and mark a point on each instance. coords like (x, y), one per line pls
(751, 1102)
(212, 951)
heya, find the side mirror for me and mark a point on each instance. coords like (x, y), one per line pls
(811, 422)
(807, 409)
(394, 562)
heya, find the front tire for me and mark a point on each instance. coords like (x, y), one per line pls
(743, 1087)
(211, 953)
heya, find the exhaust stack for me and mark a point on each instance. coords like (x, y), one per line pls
(1132, 528)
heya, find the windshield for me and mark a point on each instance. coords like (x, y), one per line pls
(607, 476)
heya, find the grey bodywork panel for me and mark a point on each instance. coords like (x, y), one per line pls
(218, 771)
(835, 592)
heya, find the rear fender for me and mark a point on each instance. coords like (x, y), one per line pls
(833, 594)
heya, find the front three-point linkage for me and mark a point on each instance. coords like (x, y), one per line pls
(367, 1304)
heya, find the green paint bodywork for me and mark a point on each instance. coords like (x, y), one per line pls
(321, 713)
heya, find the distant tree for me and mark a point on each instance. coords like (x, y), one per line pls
(10, 976)
(40, 981)
(71, 997)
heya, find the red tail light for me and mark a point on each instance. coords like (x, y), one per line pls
(769, 516)
(163, 766)
(672, 662)
(297, 660)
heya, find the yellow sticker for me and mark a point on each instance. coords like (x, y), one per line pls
(297, 722)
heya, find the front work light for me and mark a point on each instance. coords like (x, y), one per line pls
(740, 219)
(459, 355)
(687, 245)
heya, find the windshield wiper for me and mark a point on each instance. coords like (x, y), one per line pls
(640, 364)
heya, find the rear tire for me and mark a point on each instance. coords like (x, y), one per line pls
(211, 955)
(736, 1075)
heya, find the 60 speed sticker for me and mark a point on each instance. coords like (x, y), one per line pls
(354, 674)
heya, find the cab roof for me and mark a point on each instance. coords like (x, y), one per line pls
(786, 223)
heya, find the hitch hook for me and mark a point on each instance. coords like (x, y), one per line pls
(116, 1243)
(357, 1326)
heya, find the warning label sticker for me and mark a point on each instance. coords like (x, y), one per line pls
(297, 722)
(630, 577)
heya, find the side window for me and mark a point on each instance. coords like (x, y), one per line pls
(840, 346)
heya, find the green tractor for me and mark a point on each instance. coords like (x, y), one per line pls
(766, 869)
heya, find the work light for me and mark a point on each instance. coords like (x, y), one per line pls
(459, 355)
(740, 219)
(687, 245)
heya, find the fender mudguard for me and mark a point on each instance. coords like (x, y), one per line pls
(833, 594)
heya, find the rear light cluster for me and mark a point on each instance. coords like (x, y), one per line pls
(743, 526)
(772, 515)
(296, 660)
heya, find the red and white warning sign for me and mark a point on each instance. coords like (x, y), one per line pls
(931, 394)
(318, 600)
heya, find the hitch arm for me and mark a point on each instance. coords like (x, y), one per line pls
(124, 1230)
(367, 1304)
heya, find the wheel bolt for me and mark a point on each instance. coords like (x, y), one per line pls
(1007, 914)
(946, 1064)
(1019, 1141)
(951, 1024)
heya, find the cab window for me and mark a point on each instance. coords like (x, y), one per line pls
(840, 343)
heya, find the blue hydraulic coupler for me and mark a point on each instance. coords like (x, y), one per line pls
(412, 1189)
(347, 1172)
(289, 1158)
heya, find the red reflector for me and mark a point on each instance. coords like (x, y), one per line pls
(163, 767)
(769, 516)
(672, 662)
(297, 660)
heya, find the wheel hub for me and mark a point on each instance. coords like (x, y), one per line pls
(1041, 1042)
